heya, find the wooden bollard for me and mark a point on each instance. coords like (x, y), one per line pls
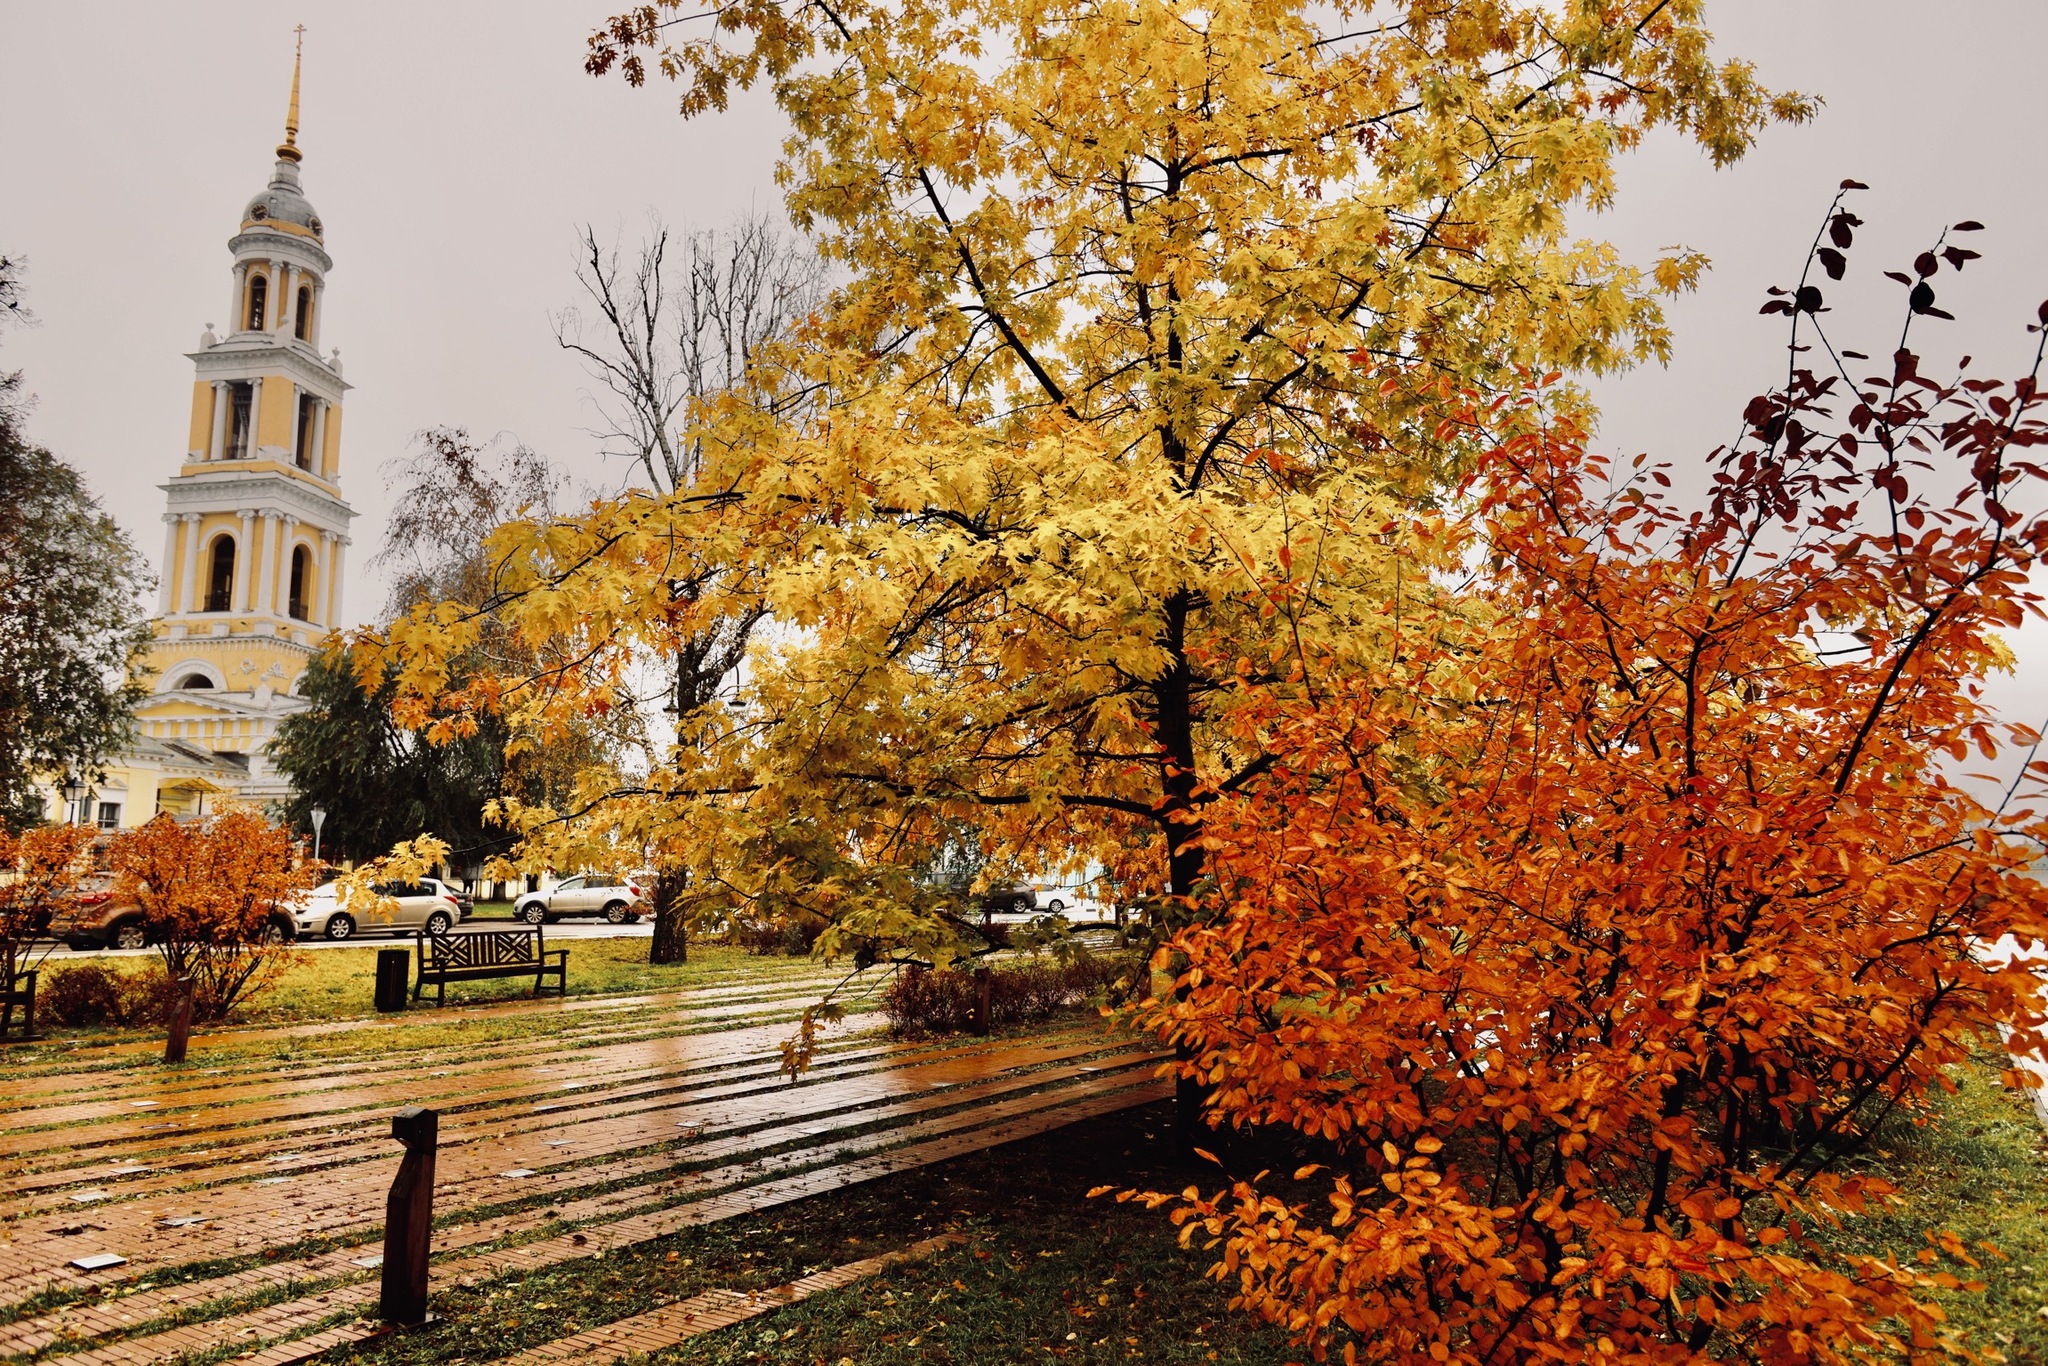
(409, 1218)
(982, 985)
(179, 1019)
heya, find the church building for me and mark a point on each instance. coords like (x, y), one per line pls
(255, 527)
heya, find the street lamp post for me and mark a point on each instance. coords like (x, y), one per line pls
(318, 815)
(74, 793)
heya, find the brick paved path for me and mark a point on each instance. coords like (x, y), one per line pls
(245, 1190)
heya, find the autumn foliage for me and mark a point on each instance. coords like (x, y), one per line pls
(208, 891)
(1083, 381)
(1584, 942)
(39, 872)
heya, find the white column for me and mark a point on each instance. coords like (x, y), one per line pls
(255, 412)
(238, 308)
(280, 599)
(324, 569)
(266, 582)
(244, 550)
(223, 399)
(163, 590)
(334, 560)
(320, 437)
(190, 583)
(288, 315)
(297, 411)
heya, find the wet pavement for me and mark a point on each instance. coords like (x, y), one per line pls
(567, 1127)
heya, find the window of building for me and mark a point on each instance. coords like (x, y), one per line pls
(259, 301)
(302, 573)
(302, 326)
(192, 682)
(110, 816)
(220, 581)
(307, 408)
(238, 426)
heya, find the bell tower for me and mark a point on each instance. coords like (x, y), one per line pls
(256, 529)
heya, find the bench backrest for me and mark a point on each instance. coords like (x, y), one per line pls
(481, 949)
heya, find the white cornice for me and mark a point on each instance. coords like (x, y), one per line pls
(248, 355)
(214, 488)
(259, 244)
(238, 705)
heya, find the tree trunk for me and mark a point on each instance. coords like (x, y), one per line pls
(671, 942)
(1174, 727)
(178, 1031)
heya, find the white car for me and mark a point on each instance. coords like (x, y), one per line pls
(420, 906)
(1074, 903)
(614, 898)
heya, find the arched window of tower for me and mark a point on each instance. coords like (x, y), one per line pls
(302, 326)
(307, 409)
(195, 682)
(302, 573)
(220, 577)
(259, 298)
(238, 435)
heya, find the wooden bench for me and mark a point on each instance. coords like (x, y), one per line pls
(19, 990)
(477, 954)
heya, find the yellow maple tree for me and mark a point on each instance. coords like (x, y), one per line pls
(1132, 383)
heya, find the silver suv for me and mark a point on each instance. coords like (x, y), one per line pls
(614, 898)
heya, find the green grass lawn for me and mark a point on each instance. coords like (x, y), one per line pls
(333, 985)
(339, 984)
(1978, 1167)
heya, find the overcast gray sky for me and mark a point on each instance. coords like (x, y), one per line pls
(453, 148)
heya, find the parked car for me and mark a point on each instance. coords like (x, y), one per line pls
(464, 902)
(328, 915)
(998, 902)
(614, 898)
(97, 919)
(1072, 902)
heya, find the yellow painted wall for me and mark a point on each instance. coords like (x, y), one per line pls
(243, 661)
(274, 423)
(175, 570)
(202, 416)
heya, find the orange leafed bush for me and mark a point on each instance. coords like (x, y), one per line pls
(1582, 945)
(39, 870)
(208, 891)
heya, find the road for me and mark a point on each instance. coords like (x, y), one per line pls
(562, 930)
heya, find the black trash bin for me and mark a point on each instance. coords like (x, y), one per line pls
(394, 970)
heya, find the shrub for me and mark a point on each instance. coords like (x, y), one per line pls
(1581, 946)
(922, 1002)
(791, 934)
(39, 872)
(83, 994)
(208, 890)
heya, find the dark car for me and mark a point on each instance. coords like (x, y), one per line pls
(465, 904)
(999, 901)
